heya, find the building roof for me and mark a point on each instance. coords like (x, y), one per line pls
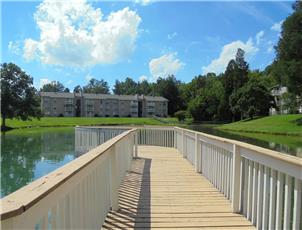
(101, 96)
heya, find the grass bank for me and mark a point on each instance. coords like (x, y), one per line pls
(279, 124)
(74, 121)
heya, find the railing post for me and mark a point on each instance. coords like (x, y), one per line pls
(236, 179)
(113, 178)
(135, 143)
(197, 153)
(175, 138)
(184, 154)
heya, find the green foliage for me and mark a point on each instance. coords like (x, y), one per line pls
(207, 104)
(235, 76)
(290, 102)
(130, 87)
(180, 115)
(169, 89)
(77, 89)
(54, 86)
(287, 69)
(96, 86)
(253, 99)
(19, 98)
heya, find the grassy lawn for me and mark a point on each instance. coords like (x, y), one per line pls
(73, 121)
(279, 124)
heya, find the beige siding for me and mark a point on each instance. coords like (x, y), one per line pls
(54, 104)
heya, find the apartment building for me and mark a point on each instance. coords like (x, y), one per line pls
(102, 105)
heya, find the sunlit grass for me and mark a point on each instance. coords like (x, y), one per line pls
(279, 124)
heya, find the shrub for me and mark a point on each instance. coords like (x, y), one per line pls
(181, 115)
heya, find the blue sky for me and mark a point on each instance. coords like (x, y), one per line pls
(72, 41)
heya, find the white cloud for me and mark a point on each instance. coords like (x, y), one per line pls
(171, 36)
(165, 65)
(143, 2)
(270, 46)
(74, 33)
(88, 77)
(227, 53)
(69, 82)
(143, 78)
(277, 26)
(259, 37)
(14, 47)
(44, 81)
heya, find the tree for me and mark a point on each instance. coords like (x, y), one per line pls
(19, 98)
(144, 88)
(206, 105)
(128, 87)
(169, 89)
(253, 99)
(287, 68)
(235, 76)
(54, 86)
(66, 90)
(77, 89)
(96, 86)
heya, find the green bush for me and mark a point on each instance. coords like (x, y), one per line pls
(181, 115)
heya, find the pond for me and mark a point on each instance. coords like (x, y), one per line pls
(291, 145)
(28, 155)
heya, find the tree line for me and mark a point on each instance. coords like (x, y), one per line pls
(236, 94)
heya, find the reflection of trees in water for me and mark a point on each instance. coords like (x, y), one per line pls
(56, 145)
(20, 153)
(18, 156)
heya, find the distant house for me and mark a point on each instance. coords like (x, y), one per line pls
(103, 105)
(277, 92)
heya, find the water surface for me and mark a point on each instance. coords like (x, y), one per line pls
(30, 154)
(291, 145)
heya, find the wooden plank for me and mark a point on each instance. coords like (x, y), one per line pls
(163, 190)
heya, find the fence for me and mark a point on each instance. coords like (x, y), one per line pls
(263, 185)
(75, 196)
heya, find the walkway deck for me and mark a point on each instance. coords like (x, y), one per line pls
(163, 191)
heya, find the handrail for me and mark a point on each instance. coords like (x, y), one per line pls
(259, 182)
(23, 199)
(271, 153)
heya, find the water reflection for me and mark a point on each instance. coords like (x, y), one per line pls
(28, 156)
(286, 144)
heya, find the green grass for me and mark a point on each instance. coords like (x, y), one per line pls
(36, 130)
(74, 121)
(279, 124)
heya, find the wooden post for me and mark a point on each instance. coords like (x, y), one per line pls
(113, 178)
(135, 143)
(236, 179)
(184, 154)
(197, 153)
(175, 138)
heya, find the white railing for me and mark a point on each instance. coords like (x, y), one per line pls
(157, 136)
(76, 196)
(87, 138)
(263, 185)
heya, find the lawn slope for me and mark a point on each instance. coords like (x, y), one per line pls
(74, 121)
(279, 124)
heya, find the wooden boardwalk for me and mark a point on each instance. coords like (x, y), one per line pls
(163, 191)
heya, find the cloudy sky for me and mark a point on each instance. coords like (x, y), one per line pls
(73, 41)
